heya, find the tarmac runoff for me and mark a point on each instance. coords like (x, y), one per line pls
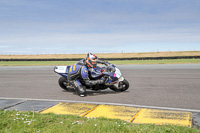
(131, 113)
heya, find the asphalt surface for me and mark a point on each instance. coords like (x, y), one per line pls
(174, 86)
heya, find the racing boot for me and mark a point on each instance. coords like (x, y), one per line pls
(81, 91)
(79, 88)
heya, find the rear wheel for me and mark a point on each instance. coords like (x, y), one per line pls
(122, 86)
(63, 83)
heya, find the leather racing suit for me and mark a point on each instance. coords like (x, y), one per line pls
(80, 71)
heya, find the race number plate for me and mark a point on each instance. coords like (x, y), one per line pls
(118, 73)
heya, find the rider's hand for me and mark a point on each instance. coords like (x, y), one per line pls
(102, 70)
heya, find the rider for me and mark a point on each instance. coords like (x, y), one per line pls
(80, 70)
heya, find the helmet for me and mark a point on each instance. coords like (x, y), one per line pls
(91, 60)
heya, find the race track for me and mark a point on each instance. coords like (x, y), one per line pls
(174, 86)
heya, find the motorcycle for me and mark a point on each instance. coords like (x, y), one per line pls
(114, 79)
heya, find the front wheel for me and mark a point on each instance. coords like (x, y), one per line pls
(63, 83)
(122, 86)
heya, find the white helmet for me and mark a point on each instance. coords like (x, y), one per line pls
(91, 60)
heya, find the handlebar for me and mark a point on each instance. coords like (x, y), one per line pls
(108, 68)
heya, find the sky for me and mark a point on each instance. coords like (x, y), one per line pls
(98, 26)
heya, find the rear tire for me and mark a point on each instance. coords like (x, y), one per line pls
(122, 86)
(63, 83)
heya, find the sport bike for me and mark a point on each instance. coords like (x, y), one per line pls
(114, 79)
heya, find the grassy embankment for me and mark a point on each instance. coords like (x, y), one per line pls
(107, 55)
(26, 122)
(117, 62)
(113, 55)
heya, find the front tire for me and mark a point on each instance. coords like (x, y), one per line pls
(122, 86)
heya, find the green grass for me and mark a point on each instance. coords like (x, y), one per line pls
(117, 62)
(175, 61)
(35, 63)
(31, 122)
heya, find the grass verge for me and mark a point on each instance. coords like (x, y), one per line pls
(26, 122)
(175, 61)
(104, 55)
(117, 62)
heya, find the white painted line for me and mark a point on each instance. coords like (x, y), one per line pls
(118, 104)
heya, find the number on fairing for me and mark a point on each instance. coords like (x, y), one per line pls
(118, 73)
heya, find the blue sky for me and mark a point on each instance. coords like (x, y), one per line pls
(98, 26)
